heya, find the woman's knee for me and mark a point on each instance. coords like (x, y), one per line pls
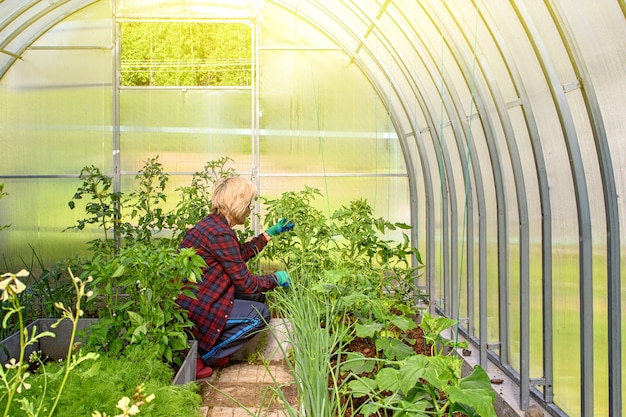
(263, 311)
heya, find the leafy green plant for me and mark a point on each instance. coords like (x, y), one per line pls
(426, 386)
(364, 251)
(307, 245)
(103, 208)
(140, 286)
(387, 335)
(103, 384)
(44, 289)
(433, 330)
(421, 385)
(146, 217)
(14, 374)
(139, 216)
(367, 282)
(147, 48)
(315, 350)
(348, 248)
(52, 286)
(131, 407)
(194, 201)
(13, 378)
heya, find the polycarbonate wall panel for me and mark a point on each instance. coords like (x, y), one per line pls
(168, 9)
(598, 29)
(565, 288)
(87, 28)
(323, 119)
(56, 118)
(319, 117)
(185, 128)
(604, 31)
(55, 131)
(284, 28)
(532, 201)
(37, 211)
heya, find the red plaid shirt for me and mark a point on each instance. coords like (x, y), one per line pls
(226, 273)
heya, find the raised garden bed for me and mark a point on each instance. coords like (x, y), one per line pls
(55, 348)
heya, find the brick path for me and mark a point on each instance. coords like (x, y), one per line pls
(252, 385)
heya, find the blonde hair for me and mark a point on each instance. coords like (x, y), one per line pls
(232, 197)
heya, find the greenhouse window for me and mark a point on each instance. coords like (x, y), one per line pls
(162, 54)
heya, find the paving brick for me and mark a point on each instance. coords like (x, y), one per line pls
(221, 412)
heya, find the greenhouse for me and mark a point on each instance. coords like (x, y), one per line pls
(479, 140)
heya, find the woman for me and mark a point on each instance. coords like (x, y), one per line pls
(229, 307)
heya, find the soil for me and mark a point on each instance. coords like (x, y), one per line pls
(366, 348)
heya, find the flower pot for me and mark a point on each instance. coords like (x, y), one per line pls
(56, 347)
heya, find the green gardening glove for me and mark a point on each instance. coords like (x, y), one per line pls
(283, 278)
(282, 226)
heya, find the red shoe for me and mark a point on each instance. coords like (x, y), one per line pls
(221, 361)
(202, 371)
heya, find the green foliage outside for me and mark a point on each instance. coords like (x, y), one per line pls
(186, 54)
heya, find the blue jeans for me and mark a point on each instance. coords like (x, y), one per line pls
(246, 319)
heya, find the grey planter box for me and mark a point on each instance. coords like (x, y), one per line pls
(56, 347)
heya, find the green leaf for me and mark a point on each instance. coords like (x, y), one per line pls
(411, 371)
(357, 363)
(190, 294)
(367, 330)
(118, 272)
(27, 406)
(441, 371)
(362, 387)
(147, 296)
(404, 323)
(388, 379)
(394, 348)
(139, 333)
(158, 318)
(477, 380)
(433, 326)
(91, 371)
(369, 409)
(412, 409)
(135, 318)
(474, 394)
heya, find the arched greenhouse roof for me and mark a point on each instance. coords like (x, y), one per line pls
(494, 128)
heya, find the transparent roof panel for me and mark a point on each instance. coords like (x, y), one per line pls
(232, 9)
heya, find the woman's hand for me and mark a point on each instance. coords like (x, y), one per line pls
(282, 226)
(283, 278)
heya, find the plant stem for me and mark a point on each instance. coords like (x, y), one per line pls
(68, 359)
(18, 376)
